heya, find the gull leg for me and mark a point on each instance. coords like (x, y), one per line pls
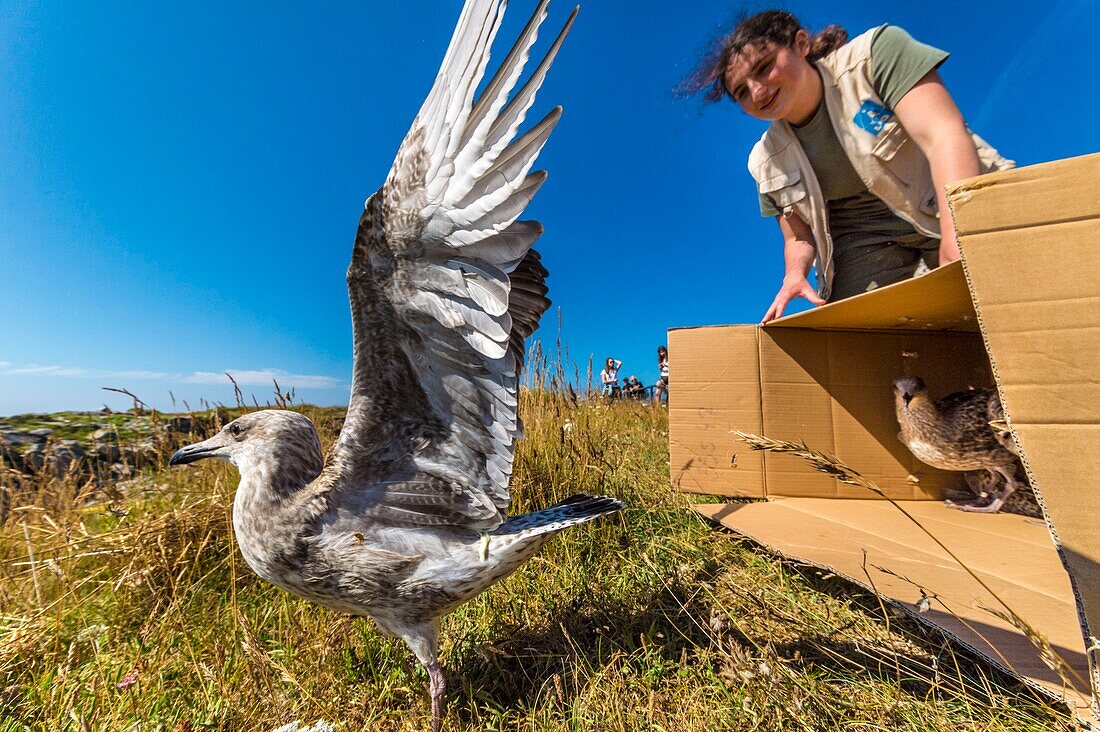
(436, 688)
(995, 505)
(992, 507)
(423, 640)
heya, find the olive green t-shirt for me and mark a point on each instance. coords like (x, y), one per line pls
(898, 62)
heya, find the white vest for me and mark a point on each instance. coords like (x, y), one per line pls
(890, 164)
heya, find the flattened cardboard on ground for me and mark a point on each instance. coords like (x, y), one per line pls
(1011, 554)
(1032, 283)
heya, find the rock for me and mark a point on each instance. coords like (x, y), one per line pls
(140, 453)
(59, 459)
(179, 424)
(64, 457)
(40, 435)
(17, 438)
(34, 457)
(121, 470)
(72, 447)
(108, 452)
(107, 433)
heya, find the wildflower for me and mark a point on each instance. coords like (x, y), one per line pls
(128, 680)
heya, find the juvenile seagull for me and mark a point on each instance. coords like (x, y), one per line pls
(407, 518)
(955, 433)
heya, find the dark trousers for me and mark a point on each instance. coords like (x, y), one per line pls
(862, 268)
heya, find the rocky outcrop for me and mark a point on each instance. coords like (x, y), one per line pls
(104, 454)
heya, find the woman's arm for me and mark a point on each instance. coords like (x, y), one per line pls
(929, 115)
(798, 256)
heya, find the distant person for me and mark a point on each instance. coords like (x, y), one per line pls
(863, 138)
(660, 389)
(609, 377)
(633, 388)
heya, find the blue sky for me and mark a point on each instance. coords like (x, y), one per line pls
(180, 182)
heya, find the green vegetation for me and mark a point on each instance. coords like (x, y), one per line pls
(143, 613)
(80, 425)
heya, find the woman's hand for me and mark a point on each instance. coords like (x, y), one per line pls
(794, 285)
(798, 255)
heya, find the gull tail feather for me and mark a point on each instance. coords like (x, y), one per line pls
(574, 510)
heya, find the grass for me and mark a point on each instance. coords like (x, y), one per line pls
(145, 616)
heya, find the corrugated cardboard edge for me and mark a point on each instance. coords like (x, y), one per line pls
(960, 192)
(707, 511)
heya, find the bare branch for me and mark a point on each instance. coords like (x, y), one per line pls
(236, 391)
(139, 405)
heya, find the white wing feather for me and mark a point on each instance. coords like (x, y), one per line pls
(438, 253)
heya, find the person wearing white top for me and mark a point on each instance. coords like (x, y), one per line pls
(661, 387)
(609, 377)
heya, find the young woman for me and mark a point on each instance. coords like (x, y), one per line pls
(863, 138)
(609, 377)
(661, 387)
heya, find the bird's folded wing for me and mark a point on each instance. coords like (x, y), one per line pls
(444, 287)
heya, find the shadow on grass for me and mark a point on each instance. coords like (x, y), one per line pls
(586, 637)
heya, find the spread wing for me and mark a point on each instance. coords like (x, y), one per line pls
(444, 288)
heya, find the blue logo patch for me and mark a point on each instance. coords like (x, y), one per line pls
(872, 116)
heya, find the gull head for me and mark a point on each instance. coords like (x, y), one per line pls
(906, 388)
(271, 437)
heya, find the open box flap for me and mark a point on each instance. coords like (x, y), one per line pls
(938, 300)
(1031, 248)
(1013, 555)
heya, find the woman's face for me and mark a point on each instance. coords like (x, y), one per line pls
(610, 362)
(774, 82)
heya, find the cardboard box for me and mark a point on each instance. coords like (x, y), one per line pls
(1021, 311)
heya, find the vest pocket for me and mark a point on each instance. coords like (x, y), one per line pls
(785, 189)
(890, 140)
(898, 155)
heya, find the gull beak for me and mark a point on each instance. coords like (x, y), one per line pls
(198, 451)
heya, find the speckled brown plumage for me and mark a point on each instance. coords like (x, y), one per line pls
(408, 517)
(954, 433)
(984, 487)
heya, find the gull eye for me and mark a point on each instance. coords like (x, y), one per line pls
(235, 429)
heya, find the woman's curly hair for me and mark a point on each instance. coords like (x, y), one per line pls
(770, 26)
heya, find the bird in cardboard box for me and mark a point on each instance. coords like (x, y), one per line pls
(967, 432)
